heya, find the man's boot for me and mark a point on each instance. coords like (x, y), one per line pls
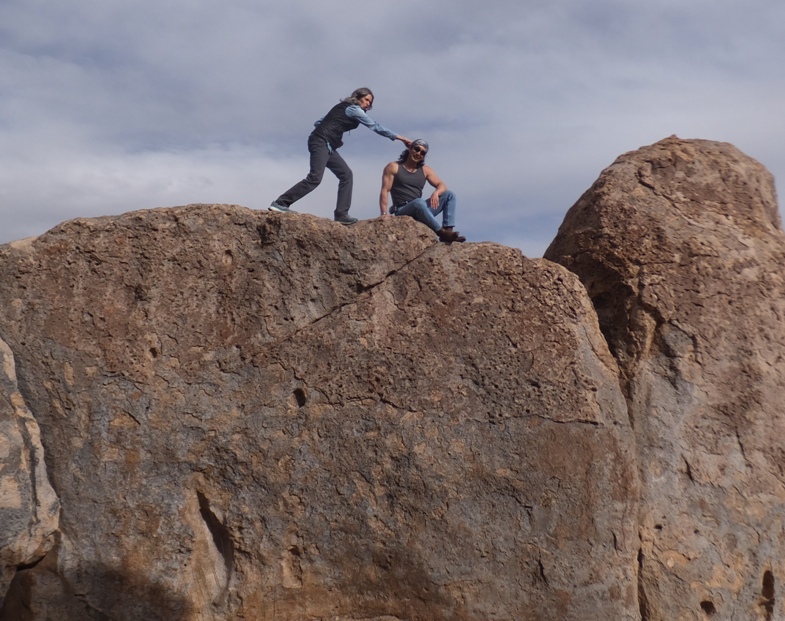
(458, 236)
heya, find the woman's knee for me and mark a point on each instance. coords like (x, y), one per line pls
(315, 177)
(344, 175)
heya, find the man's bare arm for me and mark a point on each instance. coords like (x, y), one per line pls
(437, 183)
(388, 176)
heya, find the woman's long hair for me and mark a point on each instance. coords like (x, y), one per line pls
(358, 94)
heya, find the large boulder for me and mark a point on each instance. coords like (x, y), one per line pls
(272, 416)
(680, 248)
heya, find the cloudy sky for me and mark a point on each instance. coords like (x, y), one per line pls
(110, 106)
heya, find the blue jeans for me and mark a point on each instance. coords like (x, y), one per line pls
(421, 210)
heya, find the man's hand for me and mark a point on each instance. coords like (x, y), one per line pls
(434, 201)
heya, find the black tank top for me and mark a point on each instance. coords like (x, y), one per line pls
(407, 185)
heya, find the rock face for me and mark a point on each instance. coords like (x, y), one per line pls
(680, 248)
(29, 508)
(264, 416)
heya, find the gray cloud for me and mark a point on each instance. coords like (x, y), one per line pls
(108, 107)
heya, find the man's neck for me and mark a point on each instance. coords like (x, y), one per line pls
(410, 164)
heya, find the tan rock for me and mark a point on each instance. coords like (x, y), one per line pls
(29, 508)
(271, 416)
(680, 248)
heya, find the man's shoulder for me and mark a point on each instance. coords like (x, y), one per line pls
(391, 167)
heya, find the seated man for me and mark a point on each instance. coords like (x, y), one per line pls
(405, 180)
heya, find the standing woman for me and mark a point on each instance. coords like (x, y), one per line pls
(323, 144)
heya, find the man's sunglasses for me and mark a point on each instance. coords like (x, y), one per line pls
(420, 150)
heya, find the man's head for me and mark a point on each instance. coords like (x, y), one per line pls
(419, 146)
(416, 152)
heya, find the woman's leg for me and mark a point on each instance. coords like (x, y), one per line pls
(340, 169)
(319, 158)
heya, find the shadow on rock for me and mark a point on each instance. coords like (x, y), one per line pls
(40, 593)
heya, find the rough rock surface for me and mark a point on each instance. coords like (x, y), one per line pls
(263, 416)
(29, 508)
(680, 248)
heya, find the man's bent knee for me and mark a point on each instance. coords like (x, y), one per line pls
(421, 205)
